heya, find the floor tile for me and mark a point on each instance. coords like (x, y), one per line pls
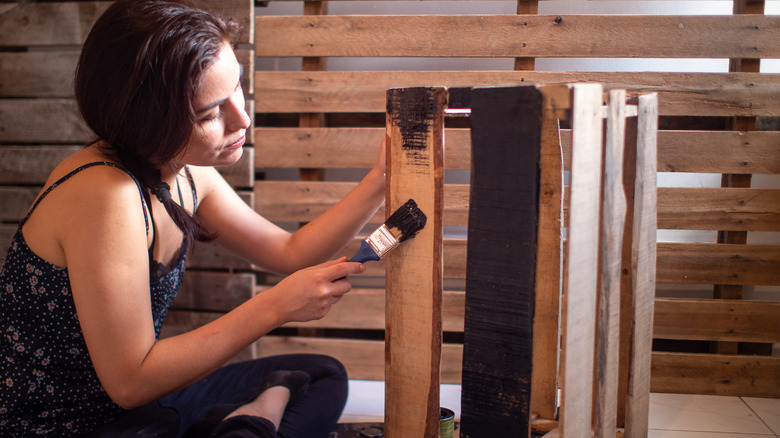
(767, 409)
(704, 413)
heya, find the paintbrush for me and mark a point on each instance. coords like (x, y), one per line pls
(402, 225)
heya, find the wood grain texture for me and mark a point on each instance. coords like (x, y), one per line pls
(608, 301)
(549, 257)
(701, 94)
(68, 23)
(643, 266)
(736, 152)
(50, 73)
(716, 374)
(364, 360)
(415, 169)
(342, 147)
(582, 263)
(717, 320)
(501, 263)
(596, 36)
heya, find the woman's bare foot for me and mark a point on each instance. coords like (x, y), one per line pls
(279, 389)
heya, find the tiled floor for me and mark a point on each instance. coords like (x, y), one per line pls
(671, 415)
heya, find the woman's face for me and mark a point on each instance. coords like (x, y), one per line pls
(220, 131)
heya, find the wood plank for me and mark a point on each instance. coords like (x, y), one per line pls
(342, 147)
(583, 247)
(50, 73)
(415, 124)
(497, 346)
(678, 151)
(549, 258)
(364, 309)
(68, 23)
(364, 360)
(711, 263)
(736, 209)
(31, 164)
(607, 36)
(716, 374)
(42, 121)
(735, 152)
(214, 291)
(608, 298)
(301, 201)
(643, 266)
(15, 202)
(717, 320)
(702, 94)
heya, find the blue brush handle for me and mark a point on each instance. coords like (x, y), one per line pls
(364, 254)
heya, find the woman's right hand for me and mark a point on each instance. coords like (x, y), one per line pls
(308, 294)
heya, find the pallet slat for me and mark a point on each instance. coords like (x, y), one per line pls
(717, 320)
(736, 152)
(341, 147)
(50, 73)
(506, 126)
(703, 94)
(717, 374)
(68, 23)
(413, 338)
(549, 36)
(583, 255)
(364, 360)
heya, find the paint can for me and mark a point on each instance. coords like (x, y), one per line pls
(446, 423)
(371, 432)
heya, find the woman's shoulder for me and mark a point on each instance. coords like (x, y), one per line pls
(90, 156)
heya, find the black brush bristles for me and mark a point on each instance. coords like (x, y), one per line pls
(406, 221)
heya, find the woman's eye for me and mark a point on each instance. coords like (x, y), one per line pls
(212, 116)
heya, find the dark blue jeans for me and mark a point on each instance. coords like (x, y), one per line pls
(313, 416)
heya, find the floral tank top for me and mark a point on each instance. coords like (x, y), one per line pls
(48, 386)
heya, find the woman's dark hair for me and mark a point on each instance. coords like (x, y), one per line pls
(139, 70)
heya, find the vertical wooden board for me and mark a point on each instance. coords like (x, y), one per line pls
(643, 266)
(613, 216)
(415, 118)
(583, 247)
(501, 262)
(549, 256)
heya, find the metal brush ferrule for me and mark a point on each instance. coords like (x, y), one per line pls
(382, 241)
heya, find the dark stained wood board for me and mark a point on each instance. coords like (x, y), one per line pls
(501, 262)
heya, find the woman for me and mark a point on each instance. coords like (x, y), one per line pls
(99, 257)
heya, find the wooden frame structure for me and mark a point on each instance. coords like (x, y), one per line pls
(610, 273)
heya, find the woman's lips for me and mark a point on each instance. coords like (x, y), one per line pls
(238, 143)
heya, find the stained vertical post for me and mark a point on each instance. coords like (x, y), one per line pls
(501, 262)
(415, 169)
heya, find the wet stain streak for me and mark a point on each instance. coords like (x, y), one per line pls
(413, 111)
